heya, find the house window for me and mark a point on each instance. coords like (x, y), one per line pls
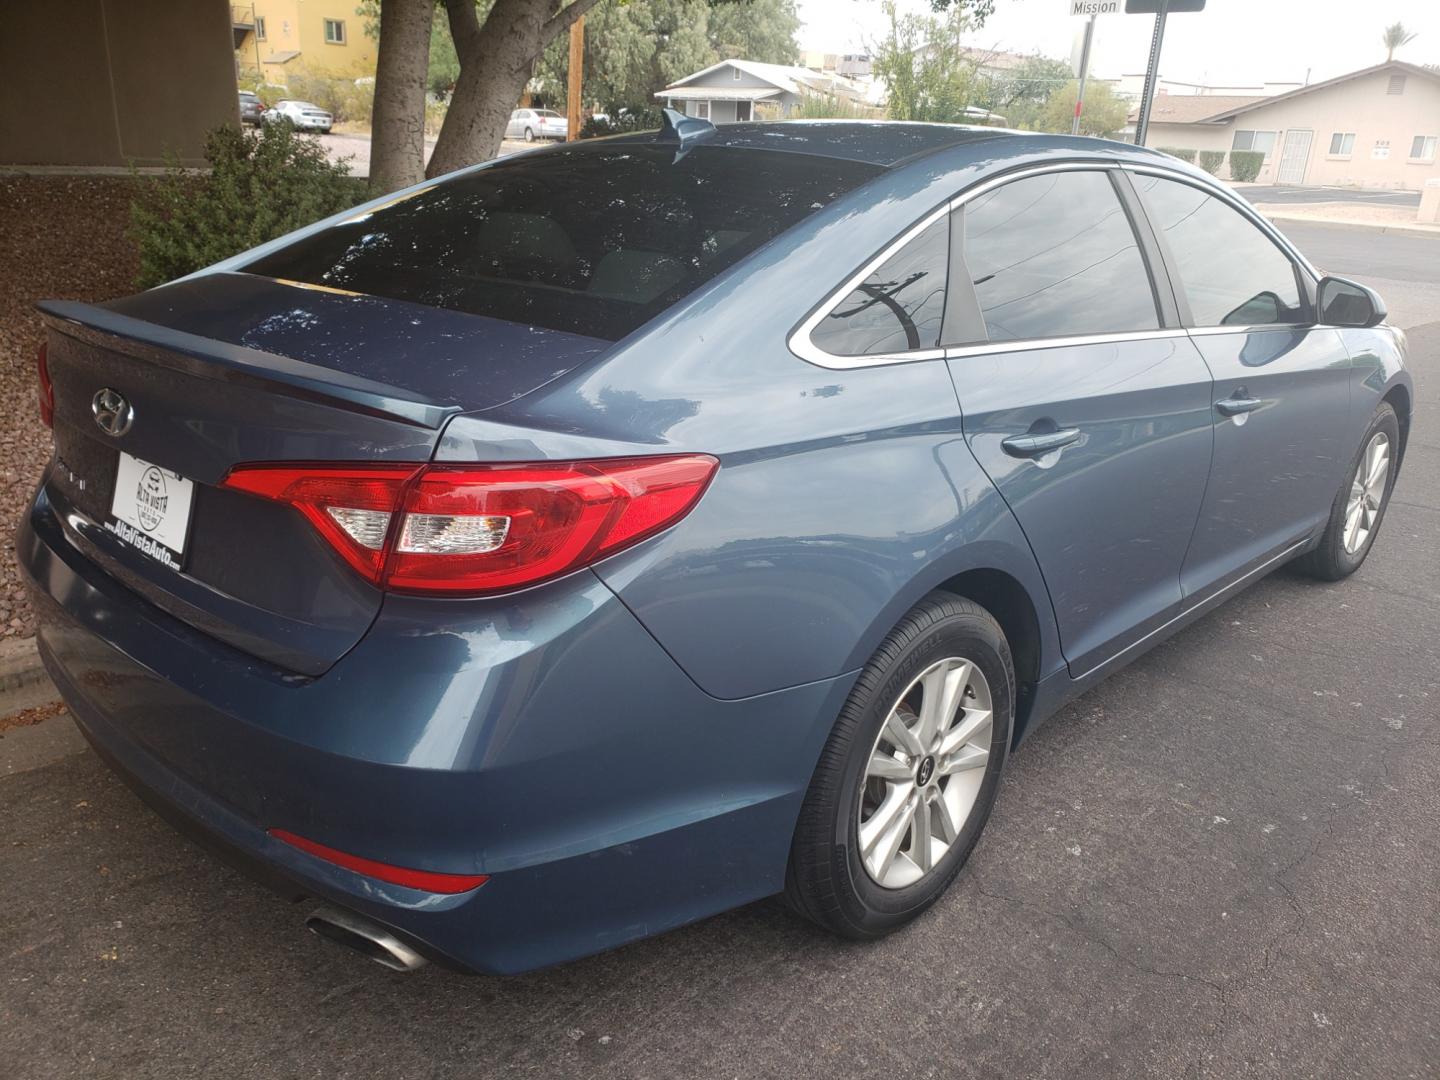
(1264, 141)
(334, 32)
(259, 27)
(1422, 148)
(1342, 143)
(742, 113)
(735, 73)
(702, 109)
(1397, 85)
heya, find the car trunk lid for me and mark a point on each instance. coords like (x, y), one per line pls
(243, 371)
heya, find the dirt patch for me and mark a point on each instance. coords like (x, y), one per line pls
(61, 237)
(27, 717)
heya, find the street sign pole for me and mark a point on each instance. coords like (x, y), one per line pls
(1152, 74)
(1084, 71)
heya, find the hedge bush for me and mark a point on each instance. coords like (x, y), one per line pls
(1245, 164)
(261, 185)
(1179, 152)
(1211, 160)
(620, 121)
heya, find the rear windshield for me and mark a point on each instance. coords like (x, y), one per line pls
(594, 240)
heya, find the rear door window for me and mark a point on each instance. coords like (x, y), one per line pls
(897, 308)
(594, 240)
(1054, 255)
(1232, 274)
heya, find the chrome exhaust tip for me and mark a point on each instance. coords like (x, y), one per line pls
(368, 939)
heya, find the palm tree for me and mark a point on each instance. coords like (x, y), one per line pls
(1394, 37)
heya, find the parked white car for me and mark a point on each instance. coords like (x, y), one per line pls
(532, 124)
(302, 114)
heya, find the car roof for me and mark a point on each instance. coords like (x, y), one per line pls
(888, 142)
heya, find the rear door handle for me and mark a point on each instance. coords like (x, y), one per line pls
(1029, 446)
(1235, 405)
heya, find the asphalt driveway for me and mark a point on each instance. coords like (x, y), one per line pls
(1224, 861)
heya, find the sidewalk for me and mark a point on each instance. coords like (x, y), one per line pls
(1383, 219)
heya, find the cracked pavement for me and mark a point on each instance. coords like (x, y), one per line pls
(1222, 862)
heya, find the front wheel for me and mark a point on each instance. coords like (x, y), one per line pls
(1360, 504)
(529, 135)
(907, 779)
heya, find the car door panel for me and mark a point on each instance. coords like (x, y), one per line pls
(1108, 516)
(1277, 467)
(1281, 383)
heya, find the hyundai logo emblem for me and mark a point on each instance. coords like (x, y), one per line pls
(112, 412)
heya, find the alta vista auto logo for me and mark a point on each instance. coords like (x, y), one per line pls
(151, 499)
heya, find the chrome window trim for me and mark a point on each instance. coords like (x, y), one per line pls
(1258, 328)
(801, 345)
(985, 348)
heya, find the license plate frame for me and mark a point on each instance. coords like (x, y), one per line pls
(151, 509)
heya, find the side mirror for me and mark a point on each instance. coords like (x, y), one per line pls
(1343, 302)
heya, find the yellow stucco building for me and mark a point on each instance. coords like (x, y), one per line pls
(318, 37)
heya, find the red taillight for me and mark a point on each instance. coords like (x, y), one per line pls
(475, 529)
(47, 388)
(425, 880)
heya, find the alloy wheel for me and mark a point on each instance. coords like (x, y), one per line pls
(1367, 492)
(925, 772)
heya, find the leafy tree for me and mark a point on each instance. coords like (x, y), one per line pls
(1104, 113)
(1394, 37)
(762, 30)
(926, 72)
(634, 49)
(1020, 93)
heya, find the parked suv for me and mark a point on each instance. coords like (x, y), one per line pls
(600, 538)
(251, 108)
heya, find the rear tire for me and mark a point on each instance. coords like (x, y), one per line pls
(1352, 528)
(529, 135)
(948, 646)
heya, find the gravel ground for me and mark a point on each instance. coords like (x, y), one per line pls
(61, 237)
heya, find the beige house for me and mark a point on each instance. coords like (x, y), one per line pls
(1376, 128)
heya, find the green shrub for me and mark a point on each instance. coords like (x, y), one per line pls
(1245, 164)
(1178, 151)
(1211, 160)
(261, 185)
(818, 105)
(620, 121)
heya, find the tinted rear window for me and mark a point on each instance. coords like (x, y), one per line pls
(592, 240)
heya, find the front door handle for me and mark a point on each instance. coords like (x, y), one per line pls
(1238, 403)
(1029, 446)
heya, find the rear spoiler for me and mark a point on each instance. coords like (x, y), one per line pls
(207, 358)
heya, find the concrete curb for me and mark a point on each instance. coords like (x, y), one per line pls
(20, 664)
(1359, 226)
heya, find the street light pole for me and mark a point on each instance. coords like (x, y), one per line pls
(1152, 75)
(1084, 71)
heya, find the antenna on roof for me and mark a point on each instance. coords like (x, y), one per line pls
(684, 130)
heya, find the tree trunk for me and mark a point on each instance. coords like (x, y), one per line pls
(397, 144)
(496, 62)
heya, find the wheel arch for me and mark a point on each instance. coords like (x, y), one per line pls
(1004, 597)
(1398, 397)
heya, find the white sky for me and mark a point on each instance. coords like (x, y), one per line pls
(1231, 41)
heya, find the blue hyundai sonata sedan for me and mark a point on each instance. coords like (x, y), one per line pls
(602, 537)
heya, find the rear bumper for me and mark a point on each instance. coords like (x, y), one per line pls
(543, 739)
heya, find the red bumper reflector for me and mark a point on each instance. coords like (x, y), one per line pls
(424, 880)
